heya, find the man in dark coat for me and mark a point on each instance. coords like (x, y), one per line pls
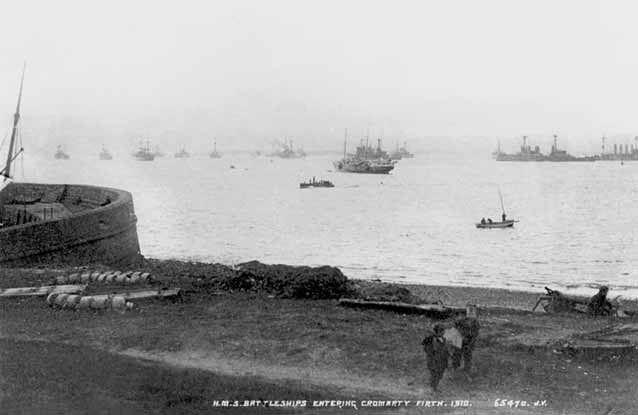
(599, 305)
(437, 355)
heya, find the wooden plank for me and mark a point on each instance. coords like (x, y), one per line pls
(429, 309)
(142, 294)
(136, 295)
(41, 291)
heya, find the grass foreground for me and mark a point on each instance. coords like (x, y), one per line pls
(189, 356)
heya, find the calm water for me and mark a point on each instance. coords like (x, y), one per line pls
(577, 220)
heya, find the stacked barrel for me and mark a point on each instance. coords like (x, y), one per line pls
(108, 277)
(85, 302)
(98, 301)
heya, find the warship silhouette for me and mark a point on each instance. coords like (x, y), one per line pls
(365, 160)
(527, 153)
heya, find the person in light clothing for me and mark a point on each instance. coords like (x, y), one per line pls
(468, 327)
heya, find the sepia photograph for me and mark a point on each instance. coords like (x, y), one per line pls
(325, 207)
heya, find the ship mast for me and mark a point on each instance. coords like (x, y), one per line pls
(500, 196)
(16, 118)
(345, 144)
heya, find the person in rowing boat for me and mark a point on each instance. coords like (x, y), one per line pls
(483, 221)
(489, 220)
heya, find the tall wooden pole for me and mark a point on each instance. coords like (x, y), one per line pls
(16, 118)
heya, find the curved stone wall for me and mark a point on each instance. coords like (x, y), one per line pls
(93, 234)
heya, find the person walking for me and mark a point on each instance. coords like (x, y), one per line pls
(469, 328)
(436, 353)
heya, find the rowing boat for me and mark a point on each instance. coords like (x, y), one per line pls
(504, 224)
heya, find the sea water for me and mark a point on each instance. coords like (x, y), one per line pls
(576, 230)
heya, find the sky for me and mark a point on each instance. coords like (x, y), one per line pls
(248, 72)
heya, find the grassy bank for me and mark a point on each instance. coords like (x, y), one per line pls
(251, 345)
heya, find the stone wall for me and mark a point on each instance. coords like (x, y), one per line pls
(93, 234)
(49, 193)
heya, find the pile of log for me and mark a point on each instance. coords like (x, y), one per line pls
(120, 301)
(67, 293)
(96, 302)
(108, 277)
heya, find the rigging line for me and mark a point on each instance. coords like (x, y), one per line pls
(21, 152)
(6, 134)
(13, 159)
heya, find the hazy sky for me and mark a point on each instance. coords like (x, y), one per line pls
(180, 71)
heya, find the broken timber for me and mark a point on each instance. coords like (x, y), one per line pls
(145, 294)
(42, 291)
(434, 310)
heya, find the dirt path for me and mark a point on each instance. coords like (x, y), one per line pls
(343, 385)
(347, 382)
(373, 387)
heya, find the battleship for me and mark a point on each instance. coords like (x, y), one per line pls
(286, 151)
(63, 224)
(527, 153)
(621, 152)
(182, 154)
(105, 155)
(401, 153)
(60, 154)
(366, 152)
(365, 160)
(144, 153)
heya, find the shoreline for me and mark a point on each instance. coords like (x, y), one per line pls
(449, 295)
(460, 296)
(585, 290)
